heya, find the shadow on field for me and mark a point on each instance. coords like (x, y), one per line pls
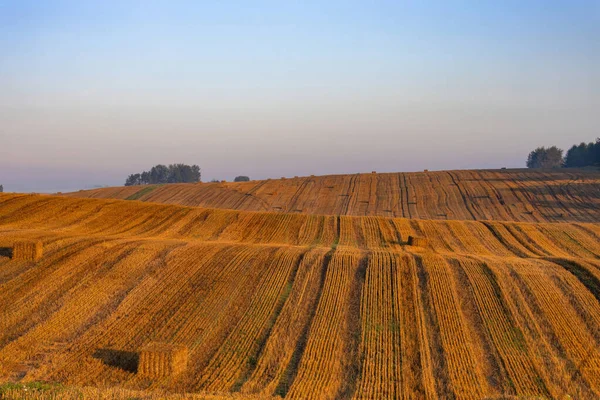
(6, 252)
(125, 360)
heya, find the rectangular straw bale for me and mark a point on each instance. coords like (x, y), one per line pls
(158, 360)
(28, 250)
(418, 241)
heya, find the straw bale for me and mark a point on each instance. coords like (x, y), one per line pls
(418, 241)
(158, 360)
(28, 250)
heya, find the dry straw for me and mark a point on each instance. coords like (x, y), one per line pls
(418, 241)
(158, 360)
(27, 250)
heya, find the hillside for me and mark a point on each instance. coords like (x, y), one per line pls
(501, 195)
(300, 305)
(311, 306)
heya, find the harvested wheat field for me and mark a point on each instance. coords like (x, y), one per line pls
(501, 195)
(455, 284)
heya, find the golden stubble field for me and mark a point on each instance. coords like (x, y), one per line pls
(307, 288)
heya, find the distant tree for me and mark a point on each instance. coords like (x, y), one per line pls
(1, 188)
(583, 155)
(534, 157)
(213, 180)
(553, 158)
(132, 180)
(241, 178)
(196, 174)
(590, 154)
(174, 173)
(159, 174)
(572, 157)
(145, 178)
(576, 156)
(183, 173)
(542, 157)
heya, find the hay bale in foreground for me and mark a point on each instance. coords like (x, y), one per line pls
(417, 241)
(27, 250)
(158, 360)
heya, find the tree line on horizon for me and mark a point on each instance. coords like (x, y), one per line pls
(174, 173)
(578, 156)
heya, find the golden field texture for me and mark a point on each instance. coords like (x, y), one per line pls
(501, 195)
(304, 306)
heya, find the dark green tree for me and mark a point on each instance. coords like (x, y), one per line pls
(542, 157)
(159, 174)
(582, 155)
(175, 174)
(241, 178)
(145, 178)
(533, 159)
(196, 173)
(183, 173)
(132, 180)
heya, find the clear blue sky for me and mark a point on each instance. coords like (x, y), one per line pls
(91, 91)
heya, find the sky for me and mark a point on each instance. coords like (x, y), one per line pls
(91, 91)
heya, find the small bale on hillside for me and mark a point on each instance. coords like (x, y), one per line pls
(373, 172)
(417, 241)
(158, 360)
(426, 170)
(28, 250)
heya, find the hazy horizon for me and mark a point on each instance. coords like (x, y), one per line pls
(94, 91)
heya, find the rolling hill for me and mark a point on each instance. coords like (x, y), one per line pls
(502, 195)
(309, 288)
